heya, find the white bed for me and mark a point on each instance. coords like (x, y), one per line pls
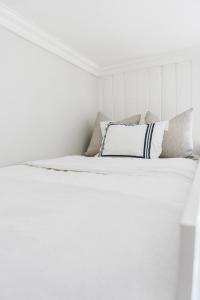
(80, 228)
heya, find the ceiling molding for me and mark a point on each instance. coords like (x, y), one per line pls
(153, 60)
(20, 26)
(31, 32)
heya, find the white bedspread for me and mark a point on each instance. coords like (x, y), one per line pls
(108, 229)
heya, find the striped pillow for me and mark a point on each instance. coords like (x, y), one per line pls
(141, 141)
(96, 139)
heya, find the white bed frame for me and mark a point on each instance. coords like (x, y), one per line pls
(189, 270)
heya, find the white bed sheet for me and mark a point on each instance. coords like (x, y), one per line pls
(106, 229)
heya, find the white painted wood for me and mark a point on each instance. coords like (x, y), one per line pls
(155, 90)
(130, 93)
(152, 61)
(107, 105)
(19, 25)
(142, 91)
(196, 102)
(169, 92)
(187, 242)
(189, 271)
(100, 86)
(196, 262)
(118, 96)
(184, 84)
(165, 89)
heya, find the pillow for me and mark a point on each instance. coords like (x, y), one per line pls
(142, 141)
(104, 124)
(177, 141)
(96, 139)
(151, 118)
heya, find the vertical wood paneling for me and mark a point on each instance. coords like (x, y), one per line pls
(100, 93)
(142, 91)
(155, 90)
(196, 84)
(166, 90)
(183, 86)
(130, 93)
(118, 96)
(196, 102)
(107, 104)
(169, 91)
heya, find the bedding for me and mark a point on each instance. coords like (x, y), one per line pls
(178, 140)
(95, 228)
(142, 141)
(96, 139)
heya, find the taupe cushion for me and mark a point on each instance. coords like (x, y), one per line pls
(177, 141)
(151, 118)
(96, 139)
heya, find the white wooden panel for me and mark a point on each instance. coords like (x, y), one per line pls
(155, 90)
(184, 94)
(196, 103)
(100, 87)
(169, 91)
(130, 93)
(107, 104)
(166, 90)
(142, 91)
(118, 96)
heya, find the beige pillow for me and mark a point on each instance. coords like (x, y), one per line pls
(96, 139)
(177, 141)
(151, 118)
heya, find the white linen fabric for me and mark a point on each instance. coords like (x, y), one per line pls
(107, 229)
(104, 124)
(142, 141)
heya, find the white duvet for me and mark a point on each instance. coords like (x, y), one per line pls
(79, 228)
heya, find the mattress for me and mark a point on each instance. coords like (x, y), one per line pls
(80, 228)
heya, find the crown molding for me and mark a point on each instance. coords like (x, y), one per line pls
(153, 60)
(32, 33)
(20, 26)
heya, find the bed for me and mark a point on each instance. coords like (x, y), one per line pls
(99, 228)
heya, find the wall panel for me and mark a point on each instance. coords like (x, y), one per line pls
(142, 91)
(130, 95)
(196, 101)
(118, 96)
(165, 89)
(169, 91)
(155, 90)
(184, 92)
(107, 96)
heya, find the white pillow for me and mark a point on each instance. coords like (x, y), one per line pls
(142, 141)
(103, 126)
(105, 123)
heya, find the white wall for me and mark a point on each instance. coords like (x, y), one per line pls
(164, 88)
(47, 106)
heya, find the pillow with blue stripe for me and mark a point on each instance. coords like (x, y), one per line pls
(141, 141)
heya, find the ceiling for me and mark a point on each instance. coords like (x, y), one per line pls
(110, 32)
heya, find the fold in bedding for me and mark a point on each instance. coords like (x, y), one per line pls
(117, 165)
